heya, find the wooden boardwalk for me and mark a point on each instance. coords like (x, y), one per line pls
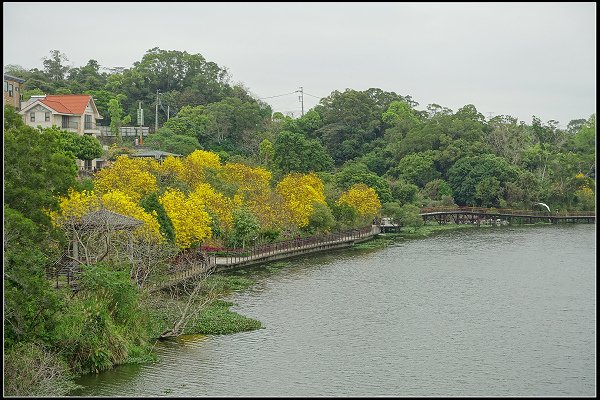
(472, 215)
(237, 258)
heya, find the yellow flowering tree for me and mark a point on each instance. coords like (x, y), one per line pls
(300, 192)
(170, 168)
(253, 192)
(121, 203)
(586, 198)
(362, 198)
(148, 164)
(216, 203)
(195, 164)
(99, 240)
(74, 206)
(584, 192)
(247, 178)
(190, 220)
(129, 176)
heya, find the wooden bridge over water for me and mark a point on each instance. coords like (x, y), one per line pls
(472, 215)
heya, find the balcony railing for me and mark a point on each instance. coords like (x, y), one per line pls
(70, 125)
(125, 131)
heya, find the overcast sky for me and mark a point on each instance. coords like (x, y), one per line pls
(520, 59)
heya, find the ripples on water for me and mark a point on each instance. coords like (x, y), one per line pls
(492, 312)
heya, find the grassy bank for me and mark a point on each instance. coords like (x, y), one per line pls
(213, 318)
(421, 232)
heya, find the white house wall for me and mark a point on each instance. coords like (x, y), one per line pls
(40, 117)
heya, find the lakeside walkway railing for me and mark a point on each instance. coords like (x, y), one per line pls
(232, 256)
(477, 215)
(508, 211)
(206, 259)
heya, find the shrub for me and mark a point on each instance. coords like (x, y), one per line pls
(102, 322)
(32, 370)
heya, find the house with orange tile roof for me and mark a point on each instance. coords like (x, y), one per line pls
(72, 112)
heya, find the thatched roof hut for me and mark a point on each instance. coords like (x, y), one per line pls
(110, 220)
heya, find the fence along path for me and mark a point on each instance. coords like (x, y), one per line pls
(234, 258)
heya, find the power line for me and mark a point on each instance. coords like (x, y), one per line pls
(287, 94)
(313, 95)
(279, 95)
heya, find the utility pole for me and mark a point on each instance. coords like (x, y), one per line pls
(141, 122)
(301, 98)
(156, 114)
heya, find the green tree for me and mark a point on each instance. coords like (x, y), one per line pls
(309, 123)
(410, 216)
(488, 191)
(190, 121)
(468, 172)
(437, 189)
(185, 79)
(355, 172)
(351, 121)
(345, 215)
(151, 203)
(87, 77)
(12, 118)
(417, 168)
(583, 144)
(392, 210)
(429, 136)
(166, 140)
(266, 152)
(117, 119)
(508, 138)
(36, 169)
(30, 304)
(404, 192)
(525, 190)
(101, 99)
(233, 124)
(82, 147)
(294, 153)
(321, 220)
(245, 227)
(55, 67)
(399, 119)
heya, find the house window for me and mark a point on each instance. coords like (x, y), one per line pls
(32, 116)
(10, 90)
(5, 86)
(87, 165)
(47, 116)
(88, 122)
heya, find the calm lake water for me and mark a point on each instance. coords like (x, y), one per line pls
(505, 311)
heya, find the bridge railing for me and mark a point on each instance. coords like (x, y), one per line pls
(190, 262)
(508, 211)
(287, 245)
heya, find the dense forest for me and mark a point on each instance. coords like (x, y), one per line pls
(249, 175)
